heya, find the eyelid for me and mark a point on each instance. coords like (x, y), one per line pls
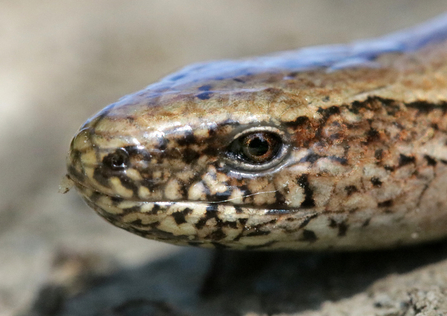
(255, 129)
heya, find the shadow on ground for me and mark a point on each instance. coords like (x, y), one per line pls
(202, 282)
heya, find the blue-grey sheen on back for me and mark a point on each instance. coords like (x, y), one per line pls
(330, 147)
(332, 57)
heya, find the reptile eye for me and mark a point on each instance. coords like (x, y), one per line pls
(260, 147)
(257, 148)
(117, 160)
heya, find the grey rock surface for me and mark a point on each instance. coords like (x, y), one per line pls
(410, 281)
(62, 61)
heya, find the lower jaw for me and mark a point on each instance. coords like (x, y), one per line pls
(218, 225)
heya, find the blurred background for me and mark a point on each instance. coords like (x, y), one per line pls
(62, 61)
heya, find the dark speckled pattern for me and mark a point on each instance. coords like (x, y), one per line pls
(363, 162)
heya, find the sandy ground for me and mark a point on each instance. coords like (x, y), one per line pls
(62, 61)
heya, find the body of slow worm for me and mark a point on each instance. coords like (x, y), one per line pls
(336, 147)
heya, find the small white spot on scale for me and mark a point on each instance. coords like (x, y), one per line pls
(185, 176)
(258, 184)
(388, 191)
(143, 192)
(297, 155)
(133, 174)
(263, 191)
(82, 142)
(157, 175)
(286, 113)
(415, 235)
(227, 213)
(208, 228)
(221, 177)
(293, 193)
(236, 196)
(372, 170)
(89, 172)
(173, 190)
(317, 115)
(259, 219)
(265, 197)
(119, 188)
(322, 188)
(202, 161)
(197, 192)
(405, 172)
(109, 142)
(106, 204)
(231, 233)
(358, 200)
(127, 204)
(198, 211)
(171, 208)
(331, 167)
(187, 229)
(139, 228)
(145, 219)
(146, 207)
(392, 130)
(214, 185)
(89, 158)
(201, 132)
(169, 225)
(349, 117)
(337, 150)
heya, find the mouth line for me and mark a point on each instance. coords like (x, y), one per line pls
(269, 209)
(213, 205)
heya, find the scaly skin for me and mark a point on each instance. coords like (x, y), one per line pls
(362, 165)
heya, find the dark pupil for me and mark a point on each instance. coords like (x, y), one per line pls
(258, 146)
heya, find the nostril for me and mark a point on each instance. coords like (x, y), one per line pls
(117, 160)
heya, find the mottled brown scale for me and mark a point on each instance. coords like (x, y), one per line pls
(361, 162)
